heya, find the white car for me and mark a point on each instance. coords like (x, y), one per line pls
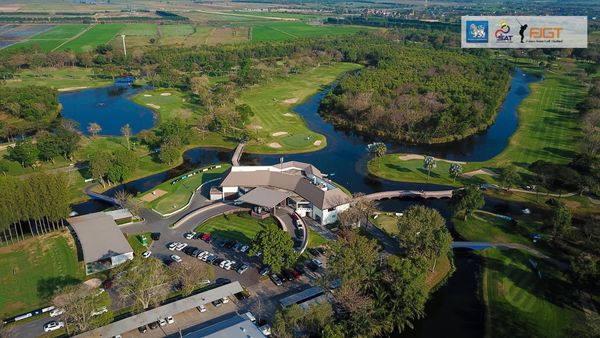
(170, 320)
(172, 246)
(176, 258)
(181, 246)
(201, 308)
(99, 311)
(202, 254)
(56, 312)
(265, 329)
(229, 264)
(223, 264)
(146, 254)
(189, 235)
(225, 300)
(53, 326)
(244, 248)
(205, 256)
(162, 322)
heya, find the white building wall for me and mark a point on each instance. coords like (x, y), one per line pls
(328, 217)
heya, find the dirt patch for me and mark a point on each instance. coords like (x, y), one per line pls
(165, 94)
(317, 143)
(274, 145)
(572, 204)
(153, 195)
(70, 89)
(94, 282)
(152, 105)
(409, 157)
(279, 133)
(483, 171)
(291, 100)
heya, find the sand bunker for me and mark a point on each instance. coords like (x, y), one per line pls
(152, 105)
(274, 145)
(153, 195)
(70, 89)
(165, 94)
(317, 143)
(255, 126)
(483, 171)
(279, 133)
(289, 115)
(291, 100)
(409, 157)
(147, 95)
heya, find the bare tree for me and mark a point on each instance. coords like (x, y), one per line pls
(94, 129)
(147, 282)
(126, 131)
(127, 201)
(191, 275)
(79, 302)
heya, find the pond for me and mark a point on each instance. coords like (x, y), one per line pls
(111, 107)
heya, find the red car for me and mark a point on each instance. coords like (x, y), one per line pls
(206, 237)
(296, 274)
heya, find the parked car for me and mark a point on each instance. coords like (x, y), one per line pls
(218, 261)
(189, 235)
(300, 269)
(212, 258)
(287, 275)
(162, 322)
(250, 316)
(317, 262)
(53, 326)
(276, 279)
(153, 325)
(172, 246)
(143, 329)
(175, 258)
(217, 303)
(238, 246)
(225, 300)
(201, 308)
(56, 312)
(155, 236)
(222, 281)
(181, 246)
(223, 263)
(242, 268)
(244, 248)
(198, 235)
(170, 320)
(264, 271)
(228, 265)
(321, 250)
(296, 273)
(299, 233)
(313, 251)
(265, 329)
(205, 237)
(196, 252)
(146, 254)
(229, 244)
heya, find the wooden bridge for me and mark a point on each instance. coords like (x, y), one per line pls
(237, 154)
(409, 193)
(98, 196)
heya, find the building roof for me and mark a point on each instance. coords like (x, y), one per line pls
(302, 296)
(171, 309)
(283, 176)
(234, 327)
(264, 197)
(99, 236)
(119, 214)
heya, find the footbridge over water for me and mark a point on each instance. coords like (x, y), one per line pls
(409, 193)
(98, 196)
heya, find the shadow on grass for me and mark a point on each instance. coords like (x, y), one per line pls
(397, 167)
(433, 174)
(47, 287)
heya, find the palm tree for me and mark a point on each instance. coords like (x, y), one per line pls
(377, 150)
(455, 170)
(429, 163)
(126, 131)
(94, 129)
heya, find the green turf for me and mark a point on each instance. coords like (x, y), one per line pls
(278, 30)
(387, 223)
(520, 304)
(99, 34)
(176, 30)
(49, 40)
(58, 78)
(179, 194)
(136, 242)
(548, 130)
(268, 103)
(175, 105)
(240, 227)
(315, 239)
(482, 226)
(139, 29)
(32, 269)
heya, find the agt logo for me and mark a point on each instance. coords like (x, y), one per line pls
(502, 33)
(477, 31)
(545, 32)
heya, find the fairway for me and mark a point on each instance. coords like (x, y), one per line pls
(548, 130)
(179, 193)
(172, 103)
(31, 270)
(97, 35)
(520, 304)
(275, 128)
(240, 226)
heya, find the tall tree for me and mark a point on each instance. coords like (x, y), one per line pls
(24, 152)
(455, 170)
(94, 129)
(79, 303)
(147, 282)
(467, 200)
(377, 151)
(508, 176)
(126, 131)
(352, 258)
(429, 163)
(276, 246)
(191, 276)
(560, 220)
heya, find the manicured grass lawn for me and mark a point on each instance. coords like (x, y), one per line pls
(140, 29)
(277, 30)
(442, 269)
(136, 242)
(175, 105)
(31, 270)
(179, 194)
(48, 41)
(548, 130)
(98, 35)
(240, 227)
(315, 239)
(58, 78)
(176, 30)
(520, 304)
(273, 114)
(387, 223)
(485, 227)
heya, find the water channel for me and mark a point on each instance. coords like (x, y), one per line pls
(455, 310)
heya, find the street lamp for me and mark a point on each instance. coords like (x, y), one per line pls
(124, 49)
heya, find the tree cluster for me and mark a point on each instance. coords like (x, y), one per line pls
(112, 166)
(26, 109)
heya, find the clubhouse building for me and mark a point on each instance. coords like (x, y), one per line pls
(299, 186)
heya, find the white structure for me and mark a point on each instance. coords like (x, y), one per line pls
(307, 191)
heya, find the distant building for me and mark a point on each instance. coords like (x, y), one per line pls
(101, 241)
(234, 327)
(297, 185)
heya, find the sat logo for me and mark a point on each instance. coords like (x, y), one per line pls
(477, 31)
(502, 33)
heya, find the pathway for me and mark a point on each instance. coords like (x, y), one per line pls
(409, 193)
(237, 154)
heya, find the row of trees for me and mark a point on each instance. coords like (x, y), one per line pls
(38, 204)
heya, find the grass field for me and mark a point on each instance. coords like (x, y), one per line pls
(520, 304)
(179, 194)
(276, 31)
(58, 78)
(485, 227)
(31, 270)
(93, 37)
(315, 239)
(274, 115)
(139, 29)
(177, 104)
(548, 130)
(240, 227)
(387, 223)
(136, 242)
